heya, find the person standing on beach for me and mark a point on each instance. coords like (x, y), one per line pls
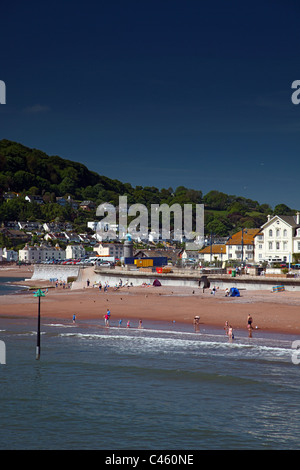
(249, 325)
(230, 333)
(226, 327)
(74, 318)
(196, 322)
(107, 317)
(140, 324)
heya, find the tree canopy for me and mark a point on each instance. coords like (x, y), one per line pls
(30, 171)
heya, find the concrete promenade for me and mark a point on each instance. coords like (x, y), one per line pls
(189, 278)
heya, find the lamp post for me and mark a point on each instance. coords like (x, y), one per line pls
(243, 230)
(39, 293)
(211, 243)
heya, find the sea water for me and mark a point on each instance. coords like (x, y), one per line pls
(8, 286)
(160, 387)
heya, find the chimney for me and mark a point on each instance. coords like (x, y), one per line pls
(269, 217)
(298, 218)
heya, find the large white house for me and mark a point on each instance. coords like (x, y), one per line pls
(278, 239)
(38, 254)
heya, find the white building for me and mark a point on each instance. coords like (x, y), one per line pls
(212, 253)
(38, 254)
(10, 255)
(105, 231)
(278, 239)
(110, 249)
(241, 245)
(75, 251)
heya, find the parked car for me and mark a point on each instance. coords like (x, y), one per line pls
(105, 263)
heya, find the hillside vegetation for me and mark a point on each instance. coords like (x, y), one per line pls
(27, 171)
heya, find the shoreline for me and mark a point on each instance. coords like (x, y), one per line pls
(272, 312)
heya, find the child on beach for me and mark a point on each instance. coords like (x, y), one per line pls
(106, 317)
(230, 333)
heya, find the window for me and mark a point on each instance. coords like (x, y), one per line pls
(298, 246)
(285, 246)
(285, 232)
(260, 247)
(270, 245)
(260, 256)
(277, 246)
(270, 233)
(277, 232)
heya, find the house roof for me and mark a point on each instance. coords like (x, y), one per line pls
(289, 219)
(248, 237)
(170, 254)
(214, 249)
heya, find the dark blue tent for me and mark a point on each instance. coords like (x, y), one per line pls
(234, 292)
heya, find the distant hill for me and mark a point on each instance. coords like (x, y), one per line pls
(30, 171)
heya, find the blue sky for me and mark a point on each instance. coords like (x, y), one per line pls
(159, 93)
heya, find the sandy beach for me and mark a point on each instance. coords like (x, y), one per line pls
(271, 311)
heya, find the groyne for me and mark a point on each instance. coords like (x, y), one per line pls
(176, 278)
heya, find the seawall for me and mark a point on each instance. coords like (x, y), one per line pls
(54, 271)
(190, 279)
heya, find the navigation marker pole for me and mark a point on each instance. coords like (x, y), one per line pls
(39, 293)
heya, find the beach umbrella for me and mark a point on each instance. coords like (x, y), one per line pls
(39, 293)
